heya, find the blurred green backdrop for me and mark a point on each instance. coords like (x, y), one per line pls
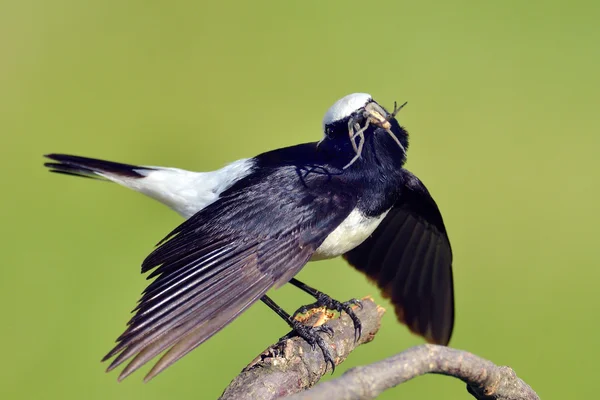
(504, 122)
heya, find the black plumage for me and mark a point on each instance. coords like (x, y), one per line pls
(90, 167)
(410, 258)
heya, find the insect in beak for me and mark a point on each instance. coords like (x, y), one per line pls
(374, 114)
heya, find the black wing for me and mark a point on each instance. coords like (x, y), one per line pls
(260, 233)
(410, 258)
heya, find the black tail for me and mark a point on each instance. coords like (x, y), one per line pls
(91, 167)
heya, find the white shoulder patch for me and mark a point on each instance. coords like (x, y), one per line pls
(346, 106)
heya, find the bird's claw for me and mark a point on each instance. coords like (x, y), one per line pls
(329, 303)
(354, 302)
(347, 307)
(302, 310)
(311, 335)
(325, 329)
(332, 304)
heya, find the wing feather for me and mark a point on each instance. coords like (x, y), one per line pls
(220, 261)
(410, 258)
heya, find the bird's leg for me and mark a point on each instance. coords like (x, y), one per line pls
(326, 301)
(308, 333)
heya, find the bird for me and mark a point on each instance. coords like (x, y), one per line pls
(252, 225)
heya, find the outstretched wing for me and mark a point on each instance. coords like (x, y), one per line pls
(410, 258)
(260, 233)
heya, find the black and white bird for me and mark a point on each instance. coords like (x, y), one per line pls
(253, 224)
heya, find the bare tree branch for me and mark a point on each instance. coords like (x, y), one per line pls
(485, 380)
(291, 366)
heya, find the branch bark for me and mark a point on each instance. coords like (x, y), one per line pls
(291, 366)
(485, 380)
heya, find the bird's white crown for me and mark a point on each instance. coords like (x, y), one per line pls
(345, 106)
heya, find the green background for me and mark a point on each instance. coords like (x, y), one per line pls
(504, 122)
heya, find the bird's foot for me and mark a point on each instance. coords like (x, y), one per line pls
(329, 303)
(312, 336)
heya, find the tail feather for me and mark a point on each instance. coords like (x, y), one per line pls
(92, 168)
(186, 192)
(58, 170)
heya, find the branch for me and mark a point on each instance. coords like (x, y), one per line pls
(485, 381)
(291, 366)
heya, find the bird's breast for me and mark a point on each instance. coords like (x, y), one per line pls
(354, 230)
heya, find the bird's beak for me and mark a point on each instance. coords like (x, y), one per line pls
(377, 115)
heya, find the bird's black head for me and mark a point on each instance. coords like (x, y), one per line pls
(358, 128)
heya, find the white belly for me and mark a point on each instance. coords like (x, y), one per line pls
(354, 230)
